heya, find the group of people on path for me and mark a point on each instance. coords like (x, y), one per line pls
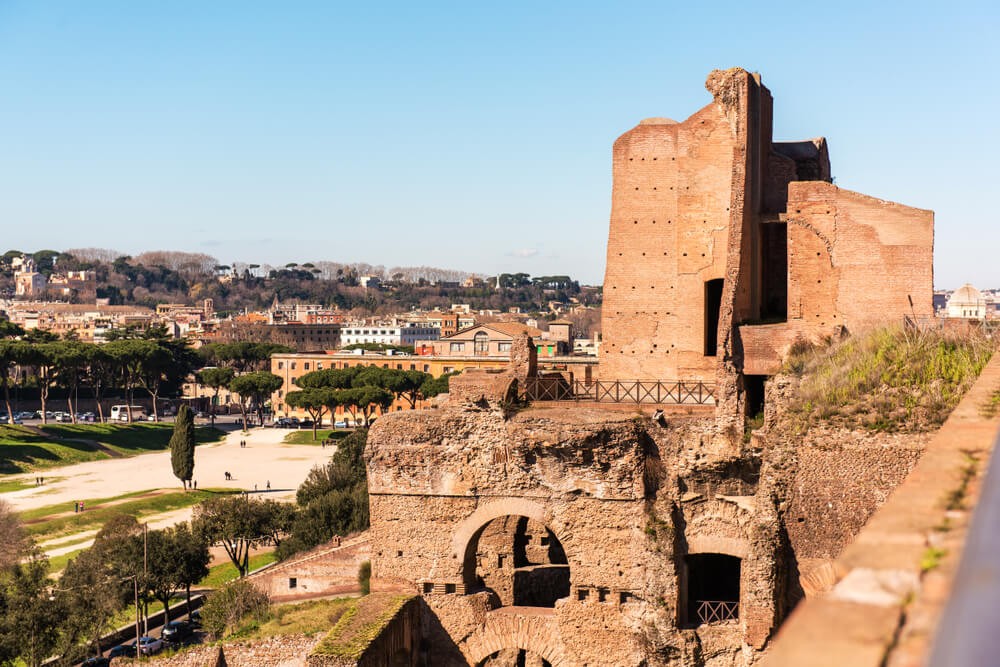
(78, 506)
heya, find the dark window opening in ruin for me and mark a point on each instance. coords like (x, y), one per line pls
(520, 561)
(713, 589)
(428, 588)
(293, 582)
(713, 304)
(753, 386)
(514, 657)
(774, 272)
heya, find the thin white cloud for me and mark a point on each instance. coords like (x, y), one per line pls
(524, 252)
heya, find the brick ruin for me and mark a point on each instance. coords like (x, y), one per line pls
(575, 535)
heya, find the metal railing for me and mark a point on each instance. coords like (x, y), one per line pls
(717, 611)
(673, 392)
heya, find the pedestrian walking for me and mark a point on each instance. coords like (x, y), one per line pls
(76, 507)
(81, 505)
(195, 485)
(268, 485)
(255, 487)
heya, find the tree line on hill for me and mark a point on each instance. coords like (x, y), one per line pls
(167, 276)
(133, 360)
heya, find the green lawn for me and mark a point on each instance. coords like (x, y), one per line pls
(224, 572)
(41, 527)
(305, 436)
(23, 450)
(130, 438)
(14, 485)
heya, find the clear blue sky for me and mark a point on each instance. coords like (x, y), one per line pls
(466, 135)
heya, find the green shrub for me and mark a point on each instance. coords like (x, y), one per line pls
(365, 577)
(235, 604)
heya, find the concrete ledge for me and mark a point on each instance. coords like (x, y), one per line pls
(891, 581)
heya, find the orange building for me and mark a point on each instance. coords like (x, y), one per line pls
(290, 366)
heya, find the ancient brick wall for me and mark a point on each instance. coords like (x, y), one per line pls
(326, 570)
(854, 259)
(669, 234)
(446, 485)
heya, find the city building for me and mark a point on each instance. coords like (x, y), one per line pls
(395, 333)
(969, 303)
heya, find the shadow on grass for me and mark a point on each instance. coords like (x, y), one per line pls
(21, 458)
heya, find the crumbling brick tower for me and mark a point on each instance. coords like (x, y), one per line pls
(571, 535)
(725, 247)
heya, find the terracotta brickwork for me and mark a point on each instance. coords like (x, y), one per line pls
(564, 535)
(712, 198)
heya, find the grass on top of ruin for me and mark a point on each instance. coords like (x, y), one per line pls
(28, 449)
(303, 618)
(892, 378)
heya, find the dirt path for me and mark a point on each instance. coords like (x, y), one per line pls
(110, 503)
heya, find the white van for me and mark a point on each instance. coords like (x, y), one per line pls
(119, 413)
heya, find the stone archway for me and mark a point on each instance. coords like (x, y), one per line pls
(536, 633)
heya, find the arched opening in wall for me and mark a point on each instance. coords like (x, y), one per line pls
(514, 657)
(519, 560)
(712, 590)
(774, 272)
(713, 304)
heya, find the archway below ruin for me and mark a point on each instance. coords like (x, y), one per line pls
(514, 657)
(519, 560)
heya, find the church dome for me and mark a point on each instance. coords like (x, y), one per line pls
(966, 295)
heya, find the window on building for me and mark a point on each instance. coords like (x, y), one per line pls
(293, 366)
(448, 369)
(281, 364)
(305, 366)
(456, 347)
(293, 582)
(481, 343)
(503, 347)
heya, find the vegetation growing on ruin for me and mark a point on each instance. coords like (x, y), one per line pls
(889, 379)
(360, 625)
(990, 408)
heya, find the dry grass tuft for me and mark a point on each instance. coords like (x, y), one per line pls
(889, 379)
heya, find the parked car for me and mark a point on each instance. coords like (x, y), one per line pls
(4, 419)
(175, 631)
(306, 423)
(122, 651)
(150, 645)
(24, 415)
(96, 661)
(63, 417)
(340, 424)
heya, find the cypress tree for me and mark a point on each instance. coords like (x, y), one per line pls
(182, 445)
